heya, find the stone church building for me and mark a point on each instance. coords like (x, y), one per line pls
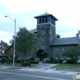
(49, 44)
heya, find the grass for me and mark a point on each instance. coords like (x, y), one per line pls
(10, 64)
(17, 64)
(66, 66)
(34, 65)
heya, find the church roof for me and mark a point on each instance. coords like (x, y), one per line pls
(62, 41)
(46, 14)
(65, 41)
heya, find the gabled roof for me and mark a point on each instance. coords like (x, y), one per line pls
(65, 41)
(46, 14)
(62, 41)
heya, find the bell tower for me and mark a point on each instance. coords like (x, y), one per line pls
(46, 31)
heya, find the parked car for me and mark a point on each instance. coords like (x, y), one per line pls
(64, 61)
(78, 62)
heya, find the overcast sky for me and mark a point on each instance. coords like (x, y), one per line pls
(66, 11)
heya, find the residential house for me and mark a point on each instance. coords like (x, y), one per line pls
(3, 47)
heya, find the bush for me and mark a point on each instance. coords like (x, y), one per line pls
(9, 61)
(18, 61)
(60, 61)
(70, 61)
(51, 60)
(34, 62)
(32, 59)
(48, 61)
(26, 64)
(54, 61)
(3, 61)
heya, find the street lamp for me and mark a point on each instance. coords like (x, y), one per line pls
(14, 39)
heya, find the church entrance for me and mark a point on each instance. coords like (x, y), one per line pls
(41, 54)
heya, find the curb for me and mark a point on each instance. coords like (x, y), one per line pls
(49, 71)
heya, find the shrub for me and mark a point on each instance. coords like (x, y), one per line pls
(9, 61)
(32, 58)
(55, 61)
(60, 61)
(48, 61)
(3, 61)
(34, 62)
(28, 60)
(26, 64)
(70, 61)
(18, 61)
(51, 60)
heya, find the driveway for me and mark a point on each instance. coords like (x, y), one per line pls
(44, 66)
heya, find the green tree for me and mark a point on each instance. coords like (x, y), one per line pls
(78, 50)
(71, 53)
(25, 42)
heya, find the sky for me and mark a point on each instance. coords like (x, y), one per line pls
(66, 11)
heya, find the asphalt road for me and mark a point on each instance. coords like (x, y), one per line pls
(9, 74)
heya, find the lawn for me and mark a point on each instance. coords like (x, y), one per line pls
(17, 64)
(10, 64)
(66, 66)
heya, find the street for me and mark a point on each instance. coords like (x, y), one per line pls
(10, 74)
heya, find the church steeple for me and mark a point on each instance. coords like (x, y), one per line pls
(45, 31)
(44, 18)
(46, 9)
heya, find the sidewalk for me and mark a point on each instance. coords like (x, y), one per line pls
(45, 70)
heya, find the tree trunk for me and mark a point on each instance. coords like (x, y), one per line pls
(25, 56)
(25, 59)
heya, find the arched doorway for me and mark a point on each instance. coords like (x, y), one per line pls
(41, 54)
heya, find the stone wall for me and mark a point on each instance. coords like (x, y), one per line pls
(45, 36)
(57, 51)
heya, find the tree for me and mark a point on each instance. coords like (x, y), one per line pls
(25, 42)
(78, 50)
(71, 53)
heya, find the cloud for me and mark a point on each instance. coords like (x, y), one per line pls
(67, 11)
(69, 34)
(6, 36)
(66, 31)
(14, 6)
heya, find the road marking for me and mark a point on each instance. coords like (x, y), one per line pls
(33, 76)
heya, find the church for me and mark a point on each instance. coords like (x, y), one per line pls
(49, 44)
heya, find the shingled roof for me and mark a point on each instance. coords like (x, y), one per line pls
(65, 41)
(62, 41)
